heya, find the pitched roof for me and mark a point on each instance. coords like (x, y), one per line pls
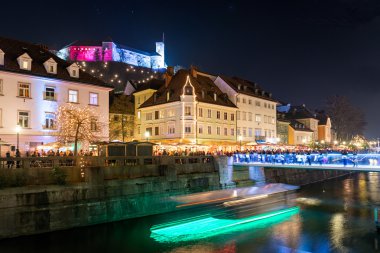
(204, 91)
(322, 117)
(300, 112)
(250, 88)
(14, 48)
(154, 84)
(298, 126)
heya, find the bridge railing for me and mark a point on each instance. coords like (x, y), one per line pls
(312, 159)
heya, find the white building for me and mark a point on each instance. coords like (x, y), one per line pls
(33, 84)
(256, 114)
(189, 109)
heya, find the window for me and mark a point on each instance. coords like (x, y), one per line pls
(1, 117)
(156, 131)
(238, 131)
(265, 105)
(258, 118)
(187, 111)
(225, 116)
(272, 120)
(250, 116)
(23, 119)
(148, 130)
(162, 114)
(24, 64)
(244, 131)
(238, 115)
(209, 130)
(237, 100)
(208, 113)
(1, 87)
(148, 116)
(188, 90)
(257, 132)
(272, 106)
(24, 90)
(232, 132)
(94, 124)
(51, 69)
(94, 98)
(171, 129)
(156, 114)
(49, 120)
(249, 101)
(225, 131)
(218, 114)
(171, 113)
(244, 116)
(187, 129)
(218, 130)
(265, 119)
(138, 114)
(232, 117)
(49, 93)
(249, 132)
(200, 129)
(74, 73)
(73, 96)
(257, 103)
(244, 101)
(200, 112)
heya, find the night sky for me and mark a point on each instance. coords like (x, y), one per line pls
(300, 50)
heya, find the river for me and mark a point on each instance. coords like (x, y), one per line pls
(333, 216)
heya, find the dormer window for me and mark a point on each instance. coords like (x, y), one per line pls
(25, 62)
(51, 66)
(215, 96)
(73, 70)
(1, 57)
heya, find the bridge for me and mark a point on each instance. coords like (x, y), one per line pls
(349, 162)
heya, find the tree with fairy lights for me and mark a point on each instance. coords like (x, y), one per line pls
(77, 124)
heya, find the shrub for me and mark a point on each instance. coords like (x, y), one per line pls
(58, 175)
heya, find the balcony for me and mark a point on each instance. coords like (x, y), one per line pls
(51, 127)
(50, 96)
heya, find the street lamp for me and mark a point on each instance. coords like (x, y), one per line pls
(147, 134)
(18, 130)
(240, 138)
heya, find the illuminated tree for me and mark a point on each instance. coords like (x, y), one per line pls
(77, 124)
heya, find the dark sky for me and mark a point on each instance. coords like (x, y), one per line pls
(300, 50)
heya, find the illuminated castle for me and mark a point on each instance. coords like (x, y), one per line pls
(92, 51)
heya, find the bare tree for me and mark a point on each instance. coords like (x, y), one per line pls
(77, 124)
(347, 119)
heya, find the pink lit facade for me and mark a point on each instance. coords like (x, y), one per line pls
(109, 51)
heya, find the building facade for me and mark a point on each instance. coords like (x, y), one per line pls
(256, 114)
(187, 109)
(34, 83)
(122, 118)
(299, 134)
(90, 51)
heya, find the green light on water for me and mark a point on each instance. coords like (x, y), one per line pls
(203, 227)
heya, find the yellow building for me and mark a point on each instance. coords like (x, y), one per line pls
(299, 134)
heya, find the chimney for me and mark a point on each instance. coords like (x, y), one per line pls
(193, 71)
(168, 75)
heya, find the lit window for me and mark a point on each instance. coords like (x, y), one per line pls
(23, 119)
(187, 111)
(258, 118)
(1, 87)
(49, 120)
(162, 114)
(73, 96)
(24, 64)
(138, 114)
(171, 129)
(257, 131)
(94, 98)
(156, 114)
(24, 90)
(225, 131)
(51, 69)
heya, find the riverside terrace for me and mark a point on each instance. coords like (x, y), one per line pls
(38, 170)
(352, 162)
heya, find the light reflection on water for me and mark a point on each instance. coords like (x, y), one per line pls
(335, 216)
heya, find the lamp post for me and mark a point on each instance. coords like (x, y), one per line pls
(147, 134)
(240, 138)
(18, 129)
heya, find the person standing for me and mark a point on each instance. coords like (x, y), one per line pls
(18, 155)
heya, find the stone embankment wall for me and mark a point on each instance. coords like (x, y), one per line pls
(300, 177)
(106, 195)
